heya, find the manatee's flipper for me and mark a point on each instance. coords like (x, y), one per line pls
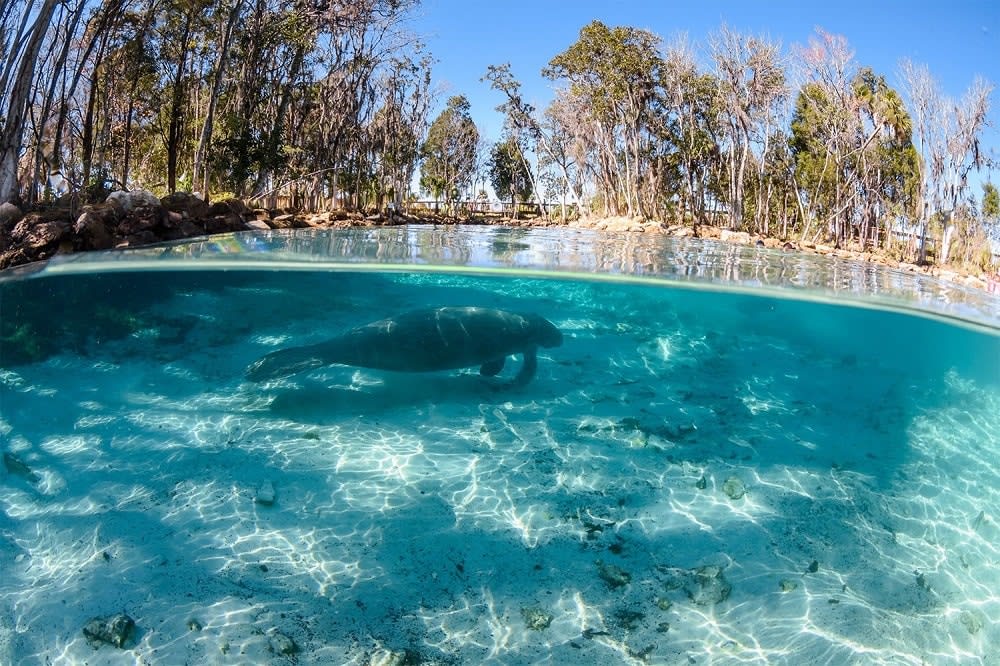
(492, 368)
(528, 368)
(285, 362)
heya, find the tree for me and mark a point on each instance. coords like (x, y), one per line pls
(948, 137)
(692, 101)
(854, 160)
(568, 148)
(17, 103)
(509, 172)
(887, 164)
(520, 121)
(615, 71)
(449, 153)
(401, 122)
(178, 43)
(752, 85)
(991, 202)
(200, 177)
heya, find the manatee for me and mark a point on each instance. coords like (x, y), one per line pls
(444, 338)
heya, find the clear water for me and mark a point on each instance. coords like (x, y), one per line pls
(704, 472)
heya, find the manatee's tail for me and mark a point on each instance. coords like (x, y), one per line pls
(283, 363)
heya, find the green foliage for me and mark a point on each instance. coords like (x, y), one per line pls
(509, 171)
(809, 146)
(991, 202)
(22, 343)
(241, 153)
(100, 186)
(614, 73)
(611, 67)
(29, 332)
(337, 102)
(449, 153)
(869, 155)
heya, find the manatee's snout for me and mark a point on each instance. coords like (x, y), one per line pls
(546, 333)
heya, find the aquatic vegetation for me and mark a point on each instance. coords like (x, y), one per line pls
(21, 343)
(14, 465)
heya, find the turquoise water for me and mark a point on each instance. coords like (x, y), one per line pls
(705, 471)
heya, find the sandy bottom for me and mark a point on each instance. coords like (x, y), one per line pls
(691, 478)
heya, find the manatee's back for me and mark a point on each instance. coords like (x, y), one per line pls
(444, 338)
(437, 339)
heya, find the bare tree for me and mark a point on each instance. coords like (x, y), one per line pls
(752, 83)
(11, 135)
(947, 135)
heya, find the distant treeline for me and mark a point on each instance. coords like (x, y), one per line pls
(333, 99)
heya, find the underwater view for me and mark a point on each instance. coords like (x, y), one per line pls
(483, 446)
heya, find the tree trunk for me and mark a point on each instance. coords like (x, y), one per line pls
(12, 136)
(175, 128)
(200, 173)
(87, 134)
(15, 46)
(58, 70)
(274, 138)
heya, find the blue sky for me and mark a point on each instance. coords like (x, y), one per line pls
(956, 39)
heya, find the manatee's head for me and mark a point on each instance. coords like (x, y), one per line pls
(544, 332)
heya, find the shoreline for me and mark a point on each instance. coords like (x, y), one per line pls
(40, 235)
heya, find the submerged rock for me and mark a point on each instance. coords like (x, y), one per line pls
(535, 618)
(282, 644)
(613, 575)
(971, 621)
(114, 630)
(705, 585)
(628, 619)
(708, 586)
(385, 657)
(734, 488)
(265, 494)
